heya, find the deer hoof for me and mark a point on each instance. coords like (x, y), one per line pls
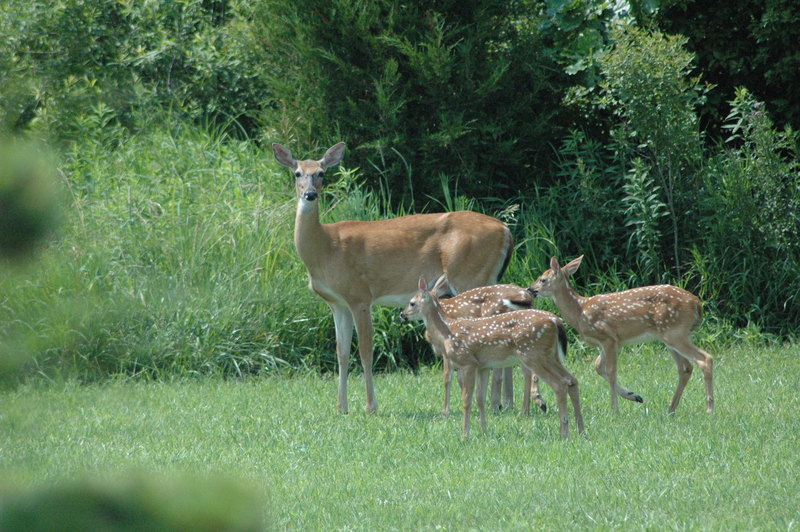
(637, 398)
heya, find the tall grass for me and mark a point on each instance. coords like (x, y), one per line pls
(177, 258)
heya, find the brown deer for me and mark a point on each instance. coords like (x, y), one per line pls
(354, 265)
(482, 302)
(535, 339)
(608, 321)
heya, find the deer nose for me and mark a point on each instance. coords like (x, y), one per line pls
(310, 195)
(403, 316)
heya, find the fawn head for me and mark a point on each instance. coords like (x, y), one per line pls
(547, 283)
(309, 174)
(422, 299)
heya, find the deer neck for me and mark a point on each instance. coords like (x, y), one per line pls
(569, 303)
(437, 327)
(310, 238)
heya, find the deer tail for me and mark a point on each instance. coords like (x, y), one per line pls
(562, 340)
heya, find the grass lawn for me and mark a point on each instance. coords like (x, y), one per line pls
(408, 468)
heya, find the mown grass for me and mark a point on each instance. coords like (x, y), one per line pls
(408, 468)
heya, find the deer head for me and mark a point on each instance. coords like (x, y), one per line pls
(309, 174)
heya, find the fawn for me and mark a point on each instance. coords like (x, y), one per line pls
(482, 302)
(538, 341)
(608, 321)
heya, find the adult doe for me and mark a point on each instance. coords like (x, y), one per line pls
(354, 265)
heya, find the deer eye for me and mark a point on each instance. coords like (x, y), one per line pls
(321, 173)
(298, 173)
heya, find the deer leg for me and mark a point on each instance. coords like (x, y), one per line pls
(561, 399)
(685, 369)
(483, 382)
(706, 363)
(534, 392)
(559, 385)
(343, 322)
(608, 365)
(574, 396)
(527, 377)
(467, 388)
(363, 320)
(531, 391)
(508, 388)
(599, 366)
(448, 379)
(497, 385)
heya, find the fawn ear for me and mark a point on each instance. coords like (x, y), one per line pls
(441, 286)
(572, 267)
(554, 264)
(422, 285)
(333, 156)
(284, 156)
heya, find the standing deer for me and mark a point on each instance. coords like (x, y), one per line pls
(536, 339)
(354, 265)
(608, 321)
(483, 302)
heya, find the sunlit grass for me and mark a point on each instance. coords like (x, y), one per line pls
(408, 468)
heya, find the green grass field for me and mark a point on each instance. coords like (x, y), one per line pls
(408, 468)
(169, 333)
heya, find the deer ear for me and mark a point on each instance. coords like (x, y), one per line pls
(554, 264)
(572, 267)
(440, 287)
(284, 156)
(333, 156)
(422, 285)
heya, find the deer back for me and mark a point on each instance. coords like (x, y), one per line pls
(387, 257)
(641, 313)
(486, 301)
(495, 341)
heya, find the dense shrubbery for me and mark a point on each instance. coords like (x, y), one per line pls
(582, 127)
(67, 62)
(419, 90)
(738, 43)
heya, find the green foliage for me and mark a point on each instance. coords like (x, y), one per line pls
(581, 31)
(750, 220)
(68, 58)
(180, 264)
(647, 86)
(143, 502)
(585, 207)
(643, 208)
(639, 184)
(418, 90)
(742, 43)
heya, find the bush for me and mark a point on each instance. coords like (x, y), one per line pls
(657, 134)
(750, 222)
(742, 43)
(70, 58)
(418, 90)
